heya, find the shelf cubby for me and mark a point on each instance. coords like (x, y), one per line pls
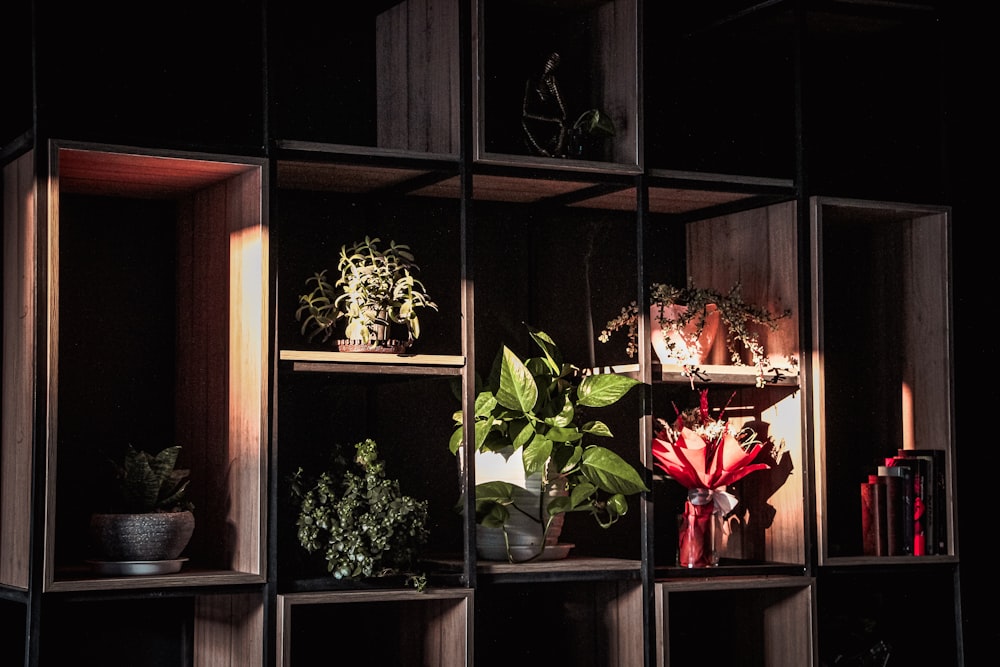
(596, 41)
(600, 623)
(432, 627)
(155, 631)
(760, 621)
(882, 354)
(155, 275)
(382, 75)
(906, 613)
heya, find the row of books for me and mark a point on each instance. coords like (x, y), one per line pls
(903, 505)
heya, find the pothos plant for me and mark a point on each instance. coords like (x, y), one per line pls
(735, 312)
(537, 404)
(377, 288)
(358, 518)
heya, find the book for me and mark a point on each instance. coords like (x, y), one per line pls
(921, 501)
(894, 516)
(874, 537)
(937, 497)
(869, 521)
(906, 506)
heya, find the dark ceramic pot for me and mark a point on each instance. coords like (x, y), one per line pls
(141, 537)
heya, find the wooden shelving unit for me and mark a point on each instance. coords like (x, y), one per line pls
(152, 269)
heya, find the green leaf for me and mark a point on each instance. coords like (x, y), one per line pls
(610, 472)
(598, 391)
(597, 427)
(560, 504)
(456, 440)
(582, 494)
(518, 390)
(561, 434)
(486, 402)
(566, 457)
(492, 515)
(553, 358)
(536, 454)
(521, 432)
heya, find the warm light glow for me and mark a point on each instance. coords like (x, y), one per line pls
(907, 408)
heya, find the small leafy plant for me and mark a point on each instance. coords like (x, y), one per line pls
(151, 483)
(535, 404)
(736, 313)
(377, 288)
(358, 519)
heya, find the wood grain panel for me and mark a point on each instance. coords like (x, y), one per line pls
(417, 76)
(229, 630)
(105, 173)
(617, 84)
(757, 249)
(19, 322)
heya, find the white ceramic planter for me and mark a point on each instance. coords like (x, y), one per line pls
(689, 348)
(522, 538)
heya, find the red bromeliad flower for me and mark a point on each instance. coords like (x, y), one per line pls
(701, 452)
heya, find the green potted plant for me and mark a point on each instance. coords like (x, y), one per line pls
(151, 521)
(685, 320)
(527, 422)
(358, 519)
(377, 289)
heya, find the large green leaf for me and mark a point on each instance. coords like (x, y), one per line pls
(561, 434)
(495, 492)
(486, 402)
(597, 427)
(581, 494)
(610, 472)
(456, 440)
(521, 432)
(598, 391)
(566, 412)
(536, 454)
(518, 390)
(550, 351)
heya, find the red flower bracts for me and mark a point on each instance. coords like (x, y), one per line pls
(700, 452)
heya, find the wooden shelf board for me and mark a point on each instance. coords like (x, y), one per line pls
(733, 583)
(373, 363)
(82, 579)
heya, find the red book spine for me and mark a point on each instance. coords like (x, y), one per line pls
(869, 519)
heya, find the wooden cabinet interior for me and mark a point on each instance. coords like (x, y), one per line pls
(882, 352)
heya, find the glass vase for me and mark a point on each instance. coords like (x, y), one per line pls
(699, 530)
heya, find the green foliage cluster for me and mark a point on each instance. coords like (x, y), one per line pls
(358, 518)
(736, 314)
(377, 287)
(151, 482)
(536, 404)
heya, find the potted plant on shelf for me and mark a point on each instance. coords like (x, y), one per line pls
(533, 461)
(686, 321)
(377, 290)
(151, 522)
(358, 519)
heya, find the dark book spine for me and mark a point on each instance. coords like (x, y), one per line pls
(880, 526)
(918, 476)
(906, 470)
(893, 510)
(936, 498)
